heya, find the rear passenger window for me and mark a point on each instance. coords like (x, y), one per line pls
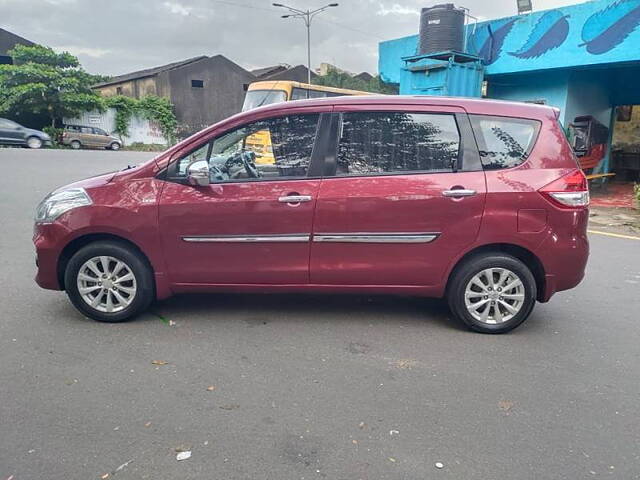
(396, 142)
(504, 142)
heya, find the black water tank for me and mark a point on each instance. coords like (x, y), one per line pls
(441, 29)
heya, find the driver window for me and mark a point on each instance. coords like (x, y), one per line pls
(275, 148)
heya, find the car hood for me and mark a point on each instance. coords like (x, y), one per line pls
(91, 182)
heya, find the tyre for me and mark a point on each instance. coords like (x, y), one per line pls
(34, 142)
(109, 281)
(492, 293)
(75, 144)
(114, 146)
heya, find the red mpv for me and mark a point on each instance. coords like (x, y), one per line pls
(477, 201)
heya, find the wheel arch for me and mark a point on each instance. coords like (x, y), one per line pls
(525, 255)
(77, 243)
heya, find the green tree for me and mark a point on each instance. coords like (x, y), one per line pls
(152, 108)
(44, 82)
(337, 79)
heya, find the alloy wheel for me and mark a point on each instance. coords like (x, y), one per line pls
(106, 284)
(34, 142)
(494, 295)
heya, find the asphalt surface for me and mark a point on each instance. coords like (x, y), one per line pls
(308, 387)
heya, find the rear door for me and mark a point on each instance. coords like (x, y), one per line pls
(405, 193)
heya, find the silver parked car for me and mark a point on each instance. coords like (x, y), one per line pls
(79, 136)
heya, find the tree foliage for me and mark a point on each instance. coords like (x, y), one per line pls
(338, 79)
(44, 82)
(152, 108)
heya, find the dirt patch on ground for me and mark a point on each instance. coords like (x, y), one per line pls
(615, 220)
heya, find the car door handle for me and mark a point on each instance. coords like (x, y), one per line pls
(459, 192)
(295, 199)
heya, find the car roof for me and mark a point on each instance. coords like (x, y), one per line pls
(471, 105)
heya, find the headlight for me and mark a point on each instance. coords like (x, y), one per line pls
(55, 204)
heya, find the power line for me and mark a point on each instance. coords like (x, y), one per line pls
(255, 7)
(346, 27)
(242, 5)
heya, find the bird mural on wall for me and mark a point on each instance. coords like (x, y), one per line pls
(608, 28)
(549, 32)
(488, 39)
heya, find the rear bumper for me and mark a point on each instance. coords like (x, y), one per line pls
(564, 261)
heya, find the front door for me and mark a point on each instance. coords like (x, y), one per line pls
(87, 138)
(252, 224)
(406, 197)
(100, 138)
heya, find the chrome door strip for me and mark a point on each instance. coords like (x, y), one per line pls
(376, 237)
(287, 238)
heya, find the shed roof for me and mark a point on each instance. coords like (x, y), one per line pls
(9, 40)
(270, 70)
(149, 72)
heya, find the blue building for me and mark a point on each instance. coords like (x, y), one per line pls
(583, 59)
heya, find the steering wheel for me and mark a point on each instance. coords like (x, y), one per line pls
(249, 162)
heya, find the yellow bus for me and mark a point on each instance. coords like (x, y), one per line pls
(276, 91)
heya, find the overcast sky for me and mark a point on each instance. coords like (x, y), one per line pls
(118, 36)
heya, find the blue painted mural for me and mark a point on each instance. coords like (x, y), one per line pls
(591, 33)
(608, 28)
(549, 32)
(487, 40)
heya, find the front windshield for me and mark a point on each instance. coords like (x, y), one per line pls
(258, 98)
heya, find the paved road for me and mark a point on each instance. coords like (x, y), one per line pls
(308, 386)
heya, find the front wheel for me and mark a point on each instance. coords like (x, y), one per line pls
(109, 281)
(492, 293)
(114, 146)
(34, 142)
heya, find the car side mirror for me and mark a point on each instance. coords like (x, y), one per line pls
(198, 173)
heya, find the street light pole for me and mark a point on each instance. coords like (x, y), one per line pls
(306, 16)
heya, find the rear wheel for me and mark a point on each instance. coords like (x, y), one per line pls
(492, 293)
(109, 281)
(75, 144)
(34, 142)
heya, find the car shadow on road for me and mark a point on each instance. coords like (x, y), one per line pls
(316, 308)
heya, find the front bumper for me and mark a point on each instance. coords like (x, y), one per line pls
(48, 240)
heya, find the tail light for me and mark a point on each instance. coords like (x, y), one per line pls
(570, 190)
